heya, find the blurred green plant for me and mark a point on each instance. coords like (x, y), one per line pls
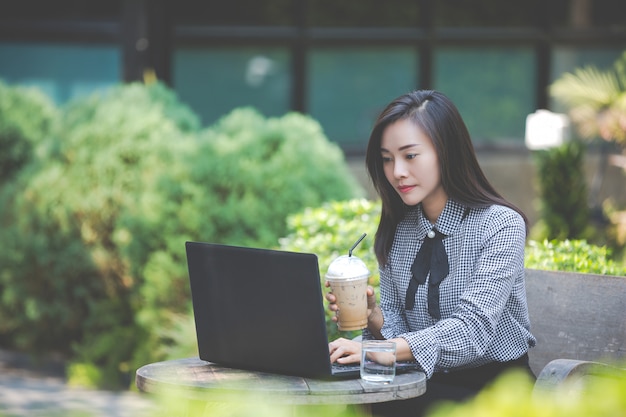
(330, 231)
(512, 395)
(596, 100)
(93, 230)
(564, 206)
(27, 117)
(261, 170)
(573, 256)
(66, 282)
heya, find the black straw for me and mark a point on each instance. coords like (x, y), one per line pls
(356, 243)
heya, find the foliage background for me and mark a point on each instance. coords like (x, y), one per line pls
(595, 100)
(93, 224)
(98, 197)
(26, 118)
(564, 210)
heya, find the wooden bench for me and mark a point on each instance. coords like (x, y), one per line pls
(579, 321)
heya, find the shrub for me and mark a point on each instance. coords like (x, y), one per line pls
(330, 231)
(93, 263)
(26, 119)
(573, 256)
(565, 212)
(512, 395)
(63, 262)
(254, 172)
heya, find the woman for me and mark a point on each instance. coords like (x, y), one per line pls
(451, 254)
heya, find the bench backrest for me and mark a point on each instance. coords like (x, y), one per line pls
(576, 316)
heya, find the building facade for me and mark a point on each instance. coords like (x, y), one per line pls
(339, 61)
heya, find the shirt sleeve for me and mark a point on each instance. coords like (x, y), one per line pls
(465, 336)
(392, 307)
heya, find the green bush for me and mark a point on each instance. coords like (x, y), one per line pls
(330, 231)
(564, 211)
(93, 263)
(573, 256)
(27, 117)
(66, 283)
(512, 395)
(262, 170)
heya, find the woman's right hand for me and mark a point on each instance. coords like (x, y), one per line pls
(332, 301)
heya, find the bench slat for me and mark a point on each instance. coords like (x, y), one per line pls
(576, 316)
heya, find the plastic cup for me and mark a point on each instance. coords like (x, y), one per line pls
(348, 277)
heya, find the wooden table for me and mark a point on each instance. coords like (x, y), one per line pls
(196, 379)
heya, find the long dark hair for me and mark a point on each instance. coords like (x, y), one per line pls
(461, 176)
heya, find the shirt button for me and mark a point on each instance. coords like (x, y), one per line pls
(431, 234)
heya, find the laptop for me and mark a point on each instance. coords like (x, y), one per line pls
(261, 310)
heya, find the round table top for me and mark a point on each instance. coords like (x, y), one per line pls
(200, 380)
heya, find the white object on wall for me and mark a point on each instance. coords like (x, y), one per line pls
(545, 129)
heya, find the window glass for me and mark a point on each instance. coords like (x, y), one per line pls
(493, 88)
(214, 81)
(568, 59)
(63, 71)
(347, 88)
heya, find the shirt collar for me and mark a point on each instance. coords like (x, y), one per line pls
(452, 215)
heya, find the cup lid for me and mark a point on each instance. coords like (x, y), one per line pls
(347, 267)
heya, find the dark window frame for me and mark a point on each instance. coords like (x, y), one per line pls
(152, 20)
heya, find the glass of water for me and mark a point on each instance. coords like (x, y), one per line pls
(378, 361)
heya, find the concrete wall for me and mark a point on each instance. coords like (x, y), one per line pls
(513, 174)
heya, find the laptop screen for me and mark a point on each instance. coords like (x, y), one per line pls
(258, 309)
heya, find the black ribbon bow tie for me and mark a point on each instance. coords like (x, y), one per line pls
(431, 257)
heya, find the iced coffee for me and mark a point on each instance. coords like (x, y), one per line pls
(348, 278)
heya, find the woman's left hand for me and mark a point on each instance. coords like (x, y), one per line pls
(344, 351)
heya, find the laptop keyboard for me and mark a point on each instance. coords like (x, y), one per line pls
(352, 369)
(349, 367)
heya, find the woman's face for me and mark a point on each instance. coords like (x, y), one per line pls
(411, 166)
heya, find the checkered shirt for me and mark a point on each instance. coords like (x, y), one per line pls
(484, 315)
